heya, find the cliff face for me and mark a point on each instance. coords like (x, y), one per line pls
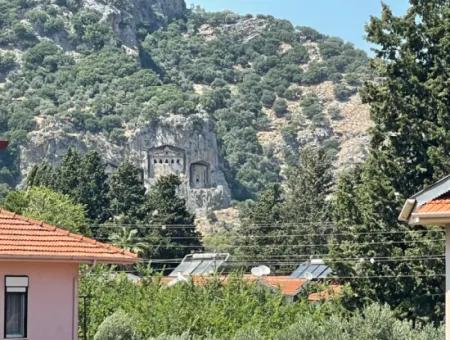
(126, 21)
(185, 146)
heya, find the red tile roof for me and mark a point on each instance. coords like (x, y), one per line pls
(331, 292)
(287, 285)
(24, 238)
(440, 204)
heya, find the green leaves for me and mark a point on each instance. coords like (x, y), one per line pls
(43, 204)
(409, 149)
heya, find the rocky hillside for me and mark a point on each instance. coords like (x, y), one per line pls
(99, 71)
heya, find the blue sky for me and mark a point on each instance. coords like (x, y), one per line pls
(342, 18)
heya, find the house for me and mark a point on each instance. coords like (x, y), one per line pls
(431, 206)
(197, 269)
(39, 277)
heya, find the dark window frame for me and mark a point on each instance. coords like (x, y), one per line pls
(25, 335)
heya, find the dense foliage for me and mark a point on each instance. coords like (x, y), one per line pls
(409, 149)
(237, 310)
(70, 65)
(43, 204)
(284, 227)
(155, 224)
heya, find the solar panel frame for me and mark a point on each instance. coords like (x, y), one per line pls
(316, 270)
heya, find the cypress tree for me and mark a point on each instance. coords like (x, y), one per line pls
(172, 233)
(127, 193)
(409, 149)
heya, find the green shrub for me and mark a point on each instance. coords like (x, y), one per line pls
(343, 93)
(268, 98)
(280, 107)
(376, 323)
(311, 106)
(118, 326)
(316, 73)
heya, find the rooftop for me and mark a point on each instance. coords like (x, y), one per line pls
(288, 286)
(22, 238)
(200, 264)
(430, 206)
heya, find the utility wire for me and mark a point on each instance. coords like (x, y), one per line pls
(277, 245)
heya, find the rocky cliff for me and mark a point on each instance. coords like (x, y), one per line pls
(127, 18)
(129, 78)
(185, 146)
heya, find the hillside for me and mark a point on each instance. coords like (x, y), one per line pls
(99, 70)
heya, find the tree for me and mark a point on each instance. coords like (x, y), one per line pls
(83, 178)
(118, 326)
(43, 204)
(129, 239)
(280, 107)
(409, 149)
(261, 227)
(268, 98)
(67, 175)
(93, 184)
(307, 209)
(127, 192)
(173, 233)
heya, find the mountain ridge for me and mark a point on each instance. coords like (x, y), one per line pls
(269, 88)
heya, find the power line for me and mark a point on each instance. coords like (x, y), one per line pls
(331, 278)
(300, 235)
(250, 226)
(277, 245)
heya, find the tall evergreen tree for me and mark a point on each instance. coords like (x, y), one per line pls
(306, 210)
(290, 226)
(410, 106)
(261, 228)
(93, 187)
(83, 178)
(127, 193)
(172, 232)
(67, 176)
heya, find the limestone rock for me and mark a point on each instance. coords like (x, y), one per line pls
(186, 146)
(152, 14)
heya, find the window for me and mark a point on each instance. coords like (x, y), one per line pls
(16, 296)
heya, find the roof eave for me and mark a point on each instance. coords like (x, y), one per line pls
(430, 218)
(408, 207)
(70, 259)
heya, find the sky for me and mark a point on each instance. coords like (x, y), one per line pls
(342, 18)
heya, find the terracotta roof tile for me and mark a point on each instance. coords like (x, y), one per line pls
(440, 204)
(287, 285)
(24, 238)
(331, 292)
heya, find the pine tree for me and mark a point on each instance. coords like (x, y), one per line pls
(261, 229)
(93, 187)
(67, 176)
(409, 149)
(306, 211)
(290, 225)
(172, 233)
(127, 193)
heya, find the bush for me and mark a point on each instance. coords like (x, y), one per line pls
(311, 106)
(376, 323)
(268, 98)
(315, 74)
(343, 93)
(118, 326)
(280, 107)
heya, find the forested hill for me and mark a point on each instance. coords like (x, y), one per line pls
(108, 66)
